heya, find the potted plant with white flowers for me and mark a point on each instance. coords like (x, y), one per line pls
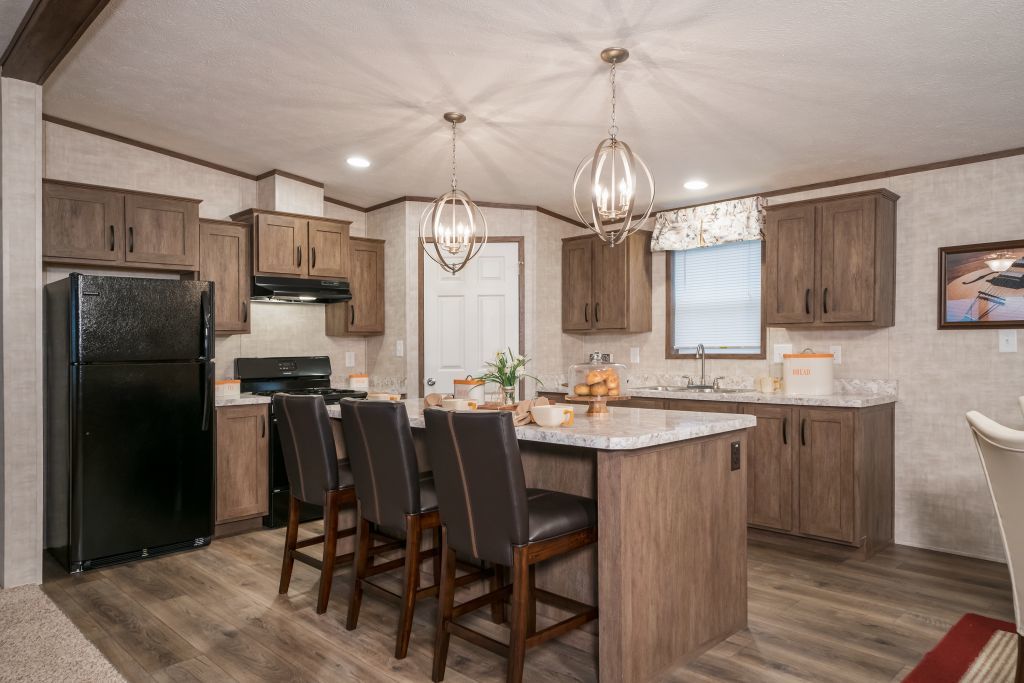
(506, 370)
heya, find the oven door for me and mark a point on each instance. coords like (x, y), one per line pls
(278, 482)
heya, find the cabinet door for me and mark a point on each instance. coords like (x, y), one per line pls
(701, 406)
(242, 447)
(825, 473)
(364, 314)
(611, 288)
(641, 402)
(82, 223)
(847, 260)
(162, 231)
(328, 249)
(789, 269)
(224, 260)
(280, 245)
(770, 449)
(577, 271)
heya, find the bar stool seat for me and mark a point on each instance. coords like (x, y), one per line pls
(553, 513)
(428, 494)
(345, 479)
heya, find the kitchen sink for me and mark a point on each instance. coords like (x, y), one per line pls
(694, 389)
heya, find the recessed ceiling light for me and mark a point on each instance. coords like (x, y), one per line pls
(358, 162)
(695, 184)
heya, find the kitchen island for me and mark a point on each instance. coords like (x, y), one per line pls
(669, 573)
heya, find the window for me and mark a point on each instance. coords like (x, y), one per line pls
(715, 300)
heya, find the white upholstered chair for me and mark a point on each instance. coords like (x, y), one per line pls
(1002, 456)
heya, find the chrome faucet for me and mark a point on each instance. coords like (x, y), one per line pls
(701, 354)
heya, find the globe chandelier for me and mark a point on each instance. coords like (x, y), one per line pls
(452, 228)
(607, 184)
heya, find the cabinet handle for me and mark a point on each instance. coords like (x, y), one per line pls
(353, 311)
(597, 313)
(111, 238)
(807, 301)
(298, 255)
(245, 311)
(785, 431)
(824, 300)
(131, 239)
(803, 432)
(312, 257)
(586, 313)
(263, 426)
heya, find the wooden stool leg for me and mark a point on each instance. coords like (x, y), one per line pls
(498, 612)
(445, 604)
(520, 615)
(290, 539)
(331, 505)
(413, 537)
(437, 556)
(531, 615)
(361, 561)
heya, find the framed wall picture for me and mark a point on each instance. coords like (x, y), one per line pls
(981, 285)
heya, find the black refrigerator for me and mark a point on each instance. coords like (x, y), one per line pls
(129, 415)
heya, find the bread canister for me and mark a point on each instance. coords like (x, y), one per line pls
(469, 389)
(807, 373)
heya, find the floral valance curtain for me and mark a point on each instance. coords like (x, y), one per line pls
(738, 220)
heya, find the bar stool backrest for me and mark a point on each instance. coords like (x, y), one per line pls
(1002, 457)
(481, 489)
(380, 449)
(310, 458)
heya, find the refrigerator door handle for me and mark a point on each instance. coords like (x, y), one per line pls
(204, 314)
(206, 394)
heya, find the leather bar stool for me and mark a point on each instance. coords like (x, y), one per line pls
(391, 495)
(489, 514)
(316, 476)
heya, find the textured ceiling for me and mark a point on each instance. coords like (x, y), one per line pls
(750, 96)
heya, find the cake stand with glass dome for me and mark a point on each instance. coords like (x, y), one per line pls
(597, 382)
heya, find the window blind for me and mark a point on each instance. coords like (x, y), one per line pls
(716, 293)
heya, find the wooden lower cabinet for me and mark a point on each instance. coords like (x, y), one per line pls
(770, 452)
(701, 406)
(242, 451)
(825, 474)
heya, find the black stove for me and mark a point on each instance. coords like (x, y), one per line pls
(302, 375)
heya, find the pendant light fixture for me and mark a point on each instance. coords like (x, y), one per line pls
(452, 228)
(610, 178)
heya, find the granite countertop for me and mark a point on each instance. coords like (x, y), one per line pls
(241, 400)
(622, 429)
(856, 398)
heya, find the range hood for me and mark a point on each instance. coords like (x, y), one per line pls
(299, 290)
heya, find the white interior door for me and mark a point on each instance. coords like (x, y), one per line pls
(470, 316)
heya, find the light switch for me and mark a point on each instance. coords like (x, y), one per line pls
(778, 350)
(837, 354)
(350, 359)
(634, 354)
(1007, 341)
(400, 348)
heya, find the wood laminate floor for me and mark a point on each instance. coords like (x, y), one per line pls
(214, 614)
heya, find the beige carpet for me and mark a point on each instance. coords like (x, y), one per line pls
(39, 643)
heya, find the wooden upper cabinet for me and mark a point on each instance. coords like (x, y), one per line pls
(577, 292)
(242, 469)
(82, 223)
(328, 249)
(789, 286)
(162, 231)
(280, 245)
(224, 260)
(826, 473)
(832, 262)
(606, 288)
(88, 224)
(364, 314)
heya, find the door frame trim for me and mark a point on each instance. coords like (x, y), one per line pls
(521, 241)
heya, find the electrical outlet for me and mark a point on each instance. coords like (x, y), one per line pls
(350, 359)
(735, 459)
(400, 348)
(778, 350)
(837, 354)
(1007, 341)
(634, 354)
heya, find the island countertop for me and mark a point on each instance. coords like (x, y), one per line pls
(621, 429)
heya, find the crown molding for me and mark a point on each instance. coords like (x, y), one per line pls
(47, 32)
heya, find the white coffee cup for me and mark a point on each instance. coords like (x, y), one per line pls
(553, 416)
(458, 404)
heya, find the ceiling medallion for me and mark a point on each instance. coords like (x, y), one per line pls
(452, 228)
(610, 178)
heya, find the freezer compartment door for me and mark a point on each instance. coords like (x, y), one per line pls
(142, 466)
(132, 319)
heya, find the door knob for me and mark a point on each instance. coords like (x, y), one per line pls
(431, 382)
